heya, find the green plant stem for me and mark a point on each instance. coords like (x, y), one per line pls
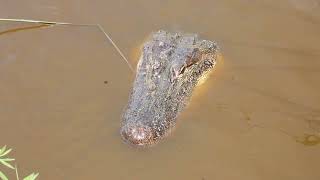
(17, 175)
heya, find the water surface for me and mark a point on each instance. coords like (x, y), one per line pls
(257, 116)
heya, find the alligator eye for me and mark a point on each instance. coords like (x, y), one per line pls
(183, 68)
(195, 57)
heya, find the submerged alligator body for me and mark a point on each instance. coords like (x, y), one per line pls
(170, 66)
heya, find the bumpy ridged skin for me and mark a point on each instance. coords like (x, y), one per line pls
(169, 68)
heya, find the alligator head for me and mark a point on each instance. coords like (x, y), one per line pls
(168, 70)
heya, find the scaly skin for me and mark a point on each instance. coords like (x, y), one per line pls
(168, 71)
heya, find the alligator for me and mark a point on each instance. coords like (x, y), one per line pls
(170, 67)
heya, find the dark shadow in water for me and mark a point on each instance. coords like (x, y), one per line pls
(23, 29)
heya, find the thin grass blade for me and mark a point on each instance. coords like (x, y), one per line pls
(17, 174)
(73, 24)
(7, 159)
(32, 176)
(5, 153)
(2, 176)
(6, 164)
(3, 149)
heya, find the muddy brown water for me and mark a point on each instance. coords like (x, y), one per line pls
(63, 89)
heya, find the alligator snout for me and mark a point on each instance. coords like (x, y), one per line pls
(137, 135)
(169, 68)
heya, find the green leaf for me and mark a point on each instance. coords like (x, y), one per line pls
(3, 149)
(6, 164)
(32, 176)
(7, 159)
(5, 153)
(2, 176)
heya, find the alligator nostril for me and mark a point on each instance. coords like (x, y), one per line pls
(140, 135)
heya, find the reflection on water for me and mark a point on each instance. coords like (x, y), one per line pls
(309, 139)
(63, 90)
(23, 29)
